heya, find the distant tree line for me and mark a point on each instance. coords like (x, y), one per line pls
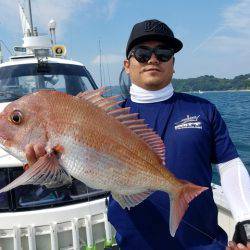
(211, 83)
(202, 83)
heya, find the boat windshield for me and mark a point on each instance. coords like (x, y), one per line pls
(19, 80)
(22, 79)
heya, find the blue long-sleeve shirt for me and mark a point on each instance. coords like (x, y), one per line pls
(195, 136)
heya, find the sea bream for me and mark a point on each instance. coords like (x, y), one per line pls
(97, 142)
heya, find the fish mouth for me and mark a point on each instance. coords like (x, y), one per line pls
(3, 136)
(19, 154)
(3, 140)
(8, 148)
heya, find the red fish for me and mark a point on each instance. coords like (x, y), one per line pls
(94, 140)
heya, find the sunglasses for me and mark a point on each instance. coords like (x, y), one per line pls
(143, 53)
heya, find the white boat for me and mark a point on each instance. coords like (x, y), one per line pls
(33, 217)
(70, 217)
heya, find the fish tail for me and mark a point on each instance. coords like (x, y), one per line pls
(179, 201)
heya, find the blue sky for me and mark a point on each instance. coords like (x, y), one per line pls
(215, 34)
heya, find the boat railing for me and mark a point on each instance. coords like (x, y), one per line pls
(78, 226)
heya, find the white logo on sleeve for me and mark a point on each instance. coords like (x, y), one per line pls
(188, 122)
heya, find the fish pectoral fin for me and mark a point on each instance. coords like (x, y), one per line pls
(130, 200)
(46, 171)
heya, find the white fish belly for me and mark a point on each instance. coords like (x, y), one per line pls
(101, 171)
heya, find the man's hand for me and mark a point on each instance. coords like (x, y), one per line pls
(233, 246)
(34, 152)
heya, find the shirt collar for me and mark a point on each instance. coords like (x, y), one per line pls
(140, 95)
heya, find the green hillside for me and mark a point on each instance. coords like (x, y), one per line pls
(205, 83)
(211, 83)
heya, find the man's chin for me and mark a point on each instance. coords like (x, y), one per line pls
(154, 85)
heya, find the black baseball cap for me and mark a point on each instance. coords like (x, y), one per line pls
(152, 30)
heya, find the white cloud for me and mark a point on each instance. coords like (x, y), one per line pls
(110, 9)
(237, 17)
(108, 58)
(61, 11)
(43, 12)
(236, 20)
(105, 10)
(233, 34)
(228, 44)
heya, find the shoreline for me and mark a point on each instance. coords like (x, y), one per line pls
(207, 91)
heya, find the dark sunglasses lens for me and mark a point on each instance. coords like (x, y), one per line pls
(142, 55)
(164, 55)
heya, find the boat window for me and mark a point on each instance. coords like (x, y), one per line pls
(33, 196)
(28, 84)
(37, 196)
(86, 82)
(79, 191)
(4, 203)
(18, 80)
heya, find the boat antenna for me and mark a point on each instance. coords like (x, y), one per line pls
(107, 69)
(24, 20)
(100, 56)
(31, 21)
(108, 73)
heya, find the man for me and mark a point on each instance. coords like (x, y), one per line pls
(195, 136)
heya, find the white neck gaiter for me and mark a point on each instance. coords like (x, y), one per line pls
(140, 95)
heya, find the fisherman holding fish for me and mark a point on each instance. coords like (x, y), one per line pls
(195, 136)
(159, 176)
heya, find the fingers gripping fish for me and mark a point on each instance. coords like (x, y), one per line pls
(94, 140)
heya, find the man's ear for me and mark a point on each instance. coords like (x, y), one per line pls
(126, 65)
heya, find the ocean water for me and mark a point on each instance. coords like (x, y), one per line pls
(235, 110)
(234, 107)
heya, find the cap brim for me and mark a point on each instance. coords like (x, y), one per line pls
(172, 42)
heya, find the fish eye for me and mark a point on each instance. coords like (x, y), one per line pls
(16, 117)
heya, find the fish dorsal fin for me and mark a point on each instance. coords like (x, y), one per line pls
(95, 97)
(123, 115)
(142, 130)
